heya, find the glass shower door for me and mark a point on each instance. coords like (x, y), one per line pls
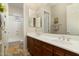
(14, 41)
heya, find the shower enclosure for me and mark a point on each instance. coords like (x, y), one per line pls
(12, 30)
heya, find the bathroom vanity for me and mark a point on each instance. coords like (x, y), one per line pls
(39, 46)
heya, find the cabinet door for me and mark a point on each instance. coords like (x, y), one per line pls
(42, 48)
(46, 52)
(28, 43)
(38, 48)
(47, 49)
(37, 51)
(58, 51)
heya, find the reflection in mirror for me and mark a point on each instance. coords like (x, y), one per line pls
(34, 22)
(61, 18)
(38, 22)
(56, 25)
(46, 22)
(65, 18)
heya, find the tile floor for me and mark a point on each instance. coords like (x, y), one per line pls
(16, 49)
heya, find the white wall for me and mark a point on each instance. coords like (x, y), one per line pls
(15, 10)
(60, 11)
(26, 18)
(73, 19)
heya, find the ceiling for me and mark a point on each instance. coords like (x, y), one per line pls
(36, 6)
(18, 5)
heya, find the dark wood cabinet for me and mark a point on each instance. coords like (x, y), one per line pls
(68, 53)
(40, 48)
(47, 49)
(37, 47)
(37, 51)
(30, 45)
(46, 52)
(58, 51)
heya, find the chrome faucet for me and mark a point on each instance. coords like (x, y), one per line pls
(66, 39)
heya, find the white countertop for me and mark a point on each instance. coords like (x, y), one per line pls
(55, 39)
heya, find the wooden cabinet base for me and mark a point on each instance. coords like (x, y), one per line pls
(39, 48)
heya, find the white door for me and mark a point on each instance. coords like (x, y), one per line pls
(46, 22)
(14, 28)
(73, 19)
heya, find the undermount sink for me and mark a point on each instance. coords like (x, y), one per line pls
(55, 40)
(61, 41)
(74, 42)
(58, 40)
(49, 37)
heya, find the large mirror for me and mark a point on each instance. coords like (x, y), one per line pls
(55, 18)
